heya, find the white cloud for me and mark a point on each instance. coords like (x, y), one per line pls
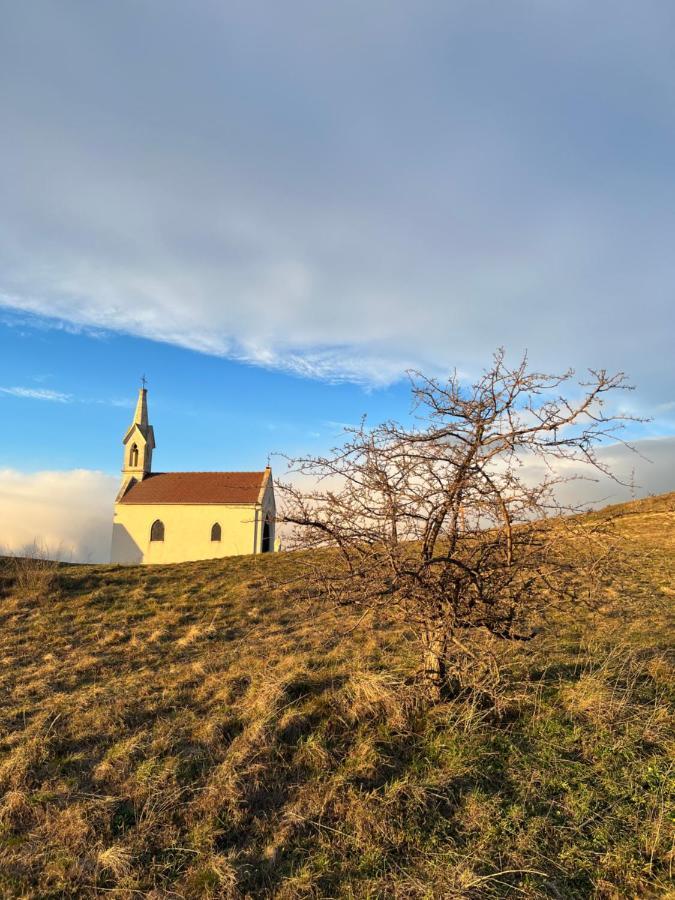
(37, 394)
(67, 512)
(341, 190)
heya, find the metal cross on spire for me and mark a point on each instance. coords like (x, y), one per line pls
(144, 381)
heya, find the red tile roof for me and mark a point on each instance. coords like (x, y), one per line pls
(196, 487)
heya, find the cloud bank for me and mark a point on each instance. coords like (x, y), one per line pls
(70, 513)
(346, 190)
(649, 468)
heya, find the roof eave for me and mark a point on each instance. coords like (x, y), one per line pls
(148, 434)
(267, 474)
(253, 504)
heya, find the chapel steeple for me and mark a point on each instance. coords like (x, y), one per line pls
(139, 442)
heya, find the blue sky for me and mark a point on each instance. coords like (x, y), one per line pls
(273, 210)
(74, 394)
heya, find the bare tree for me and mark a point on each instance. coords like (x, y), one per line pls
(441, 525)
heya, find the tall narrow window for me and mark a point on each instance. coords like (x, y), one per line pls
(157, 531)
(133, 456)
(215, 532)
(266, 537)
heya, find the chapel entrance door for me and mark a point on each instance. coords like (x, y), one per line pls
(266, 537)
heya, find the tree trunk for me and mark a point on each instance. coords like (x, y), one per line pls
(435, 659)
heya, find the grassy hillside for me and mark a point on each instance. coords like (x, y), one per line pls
(189, 731)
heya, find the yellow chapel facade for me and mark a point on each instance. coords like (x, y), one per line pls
(168, 517)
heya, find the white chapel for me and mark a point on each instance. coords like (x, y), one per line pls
(168, 517)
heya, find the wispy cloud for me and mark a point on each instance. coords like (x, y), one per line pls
(37, 394)
(118, 403)
(29, 393)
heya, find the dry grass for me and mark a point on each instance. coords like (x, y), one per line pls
(183, 731)
(34, 573)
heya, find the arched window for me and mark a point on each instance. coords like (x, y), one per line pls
(157, 531)
(133, 456)
(266, 537)
(215, 532)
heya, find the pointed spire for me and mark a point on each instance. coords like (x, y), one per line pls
(141, 414)
(142, 432)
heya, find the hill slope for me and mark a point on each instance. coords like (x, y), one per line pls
(189, 731)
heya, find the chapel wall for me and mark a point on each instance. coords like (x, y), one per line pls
(187, 532)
